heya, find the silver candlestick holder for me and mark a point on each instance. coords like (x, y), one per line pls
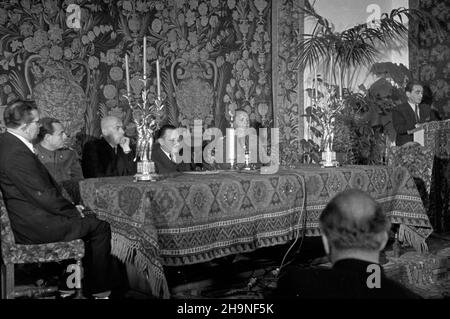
(231, 149)
(146, 116)
(247, 166)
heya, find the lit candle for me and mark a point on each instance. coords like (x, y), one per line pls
(158, 79)
(127, 74)
(145, 58)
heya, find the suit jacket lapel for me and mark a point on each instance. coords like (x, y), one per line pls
(425, 113)
(410, 112)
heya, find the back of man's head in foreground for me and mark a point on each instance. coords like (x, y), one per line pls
(354, 221)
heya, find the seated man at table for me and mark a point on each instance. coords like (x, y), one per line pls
(166, 151)
(38, 212)
(247, 139)
(354, 231)
(110, 155)
(62, 162)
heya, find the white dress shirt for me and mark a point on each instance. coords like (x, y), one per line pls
(413, 106)
(23, 139)
(167, 154)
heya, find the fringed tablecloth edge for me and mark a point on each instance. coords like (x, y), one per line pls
(128, 252)
(412, 237)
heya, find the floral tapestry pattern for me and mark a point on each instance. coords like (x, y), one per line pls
(289, 84)
(430, 56)
(215, 57)
(430, 63)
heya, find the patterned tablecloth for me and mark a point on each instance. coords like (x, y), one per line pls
(437, 135)
(193, 218)
(430, 167)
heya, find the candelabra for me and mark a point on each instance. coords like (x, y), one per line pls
(146, 116)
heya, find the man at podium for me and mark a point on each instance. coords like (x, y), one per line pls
(408, 115)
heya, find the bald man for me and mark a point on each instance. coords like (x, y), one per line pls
(111, 155)
(354, 231)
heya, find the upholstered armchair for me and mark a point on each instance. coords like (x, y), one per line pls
(12, 253)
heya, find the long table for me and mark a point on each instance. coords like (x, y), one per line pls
(194, 218)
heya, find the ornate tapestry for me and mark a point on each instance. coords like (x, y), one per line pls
(288, 86)
(429, 56)
(215, 56)
(189, 218)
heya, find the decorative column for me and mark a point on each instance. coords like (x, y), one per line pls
(288, 91)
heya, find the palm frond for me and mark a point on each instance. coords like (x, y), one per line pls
(356, 46)
(322, 25)
(311, 50)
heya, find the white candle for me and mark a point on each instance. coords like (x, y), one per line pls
(158, 79)
(127, 74)
(145, 58)
(230, 144)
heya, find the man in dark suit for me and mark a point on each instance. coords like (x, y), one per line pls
(408, 115)
(110, 155)
(37, 210)
(166, 152)
(354, 231)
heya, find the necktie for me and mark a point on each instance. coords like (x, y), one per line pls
(417, 113)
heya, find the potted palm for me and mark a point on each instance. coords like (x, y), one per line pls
(340, 54)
